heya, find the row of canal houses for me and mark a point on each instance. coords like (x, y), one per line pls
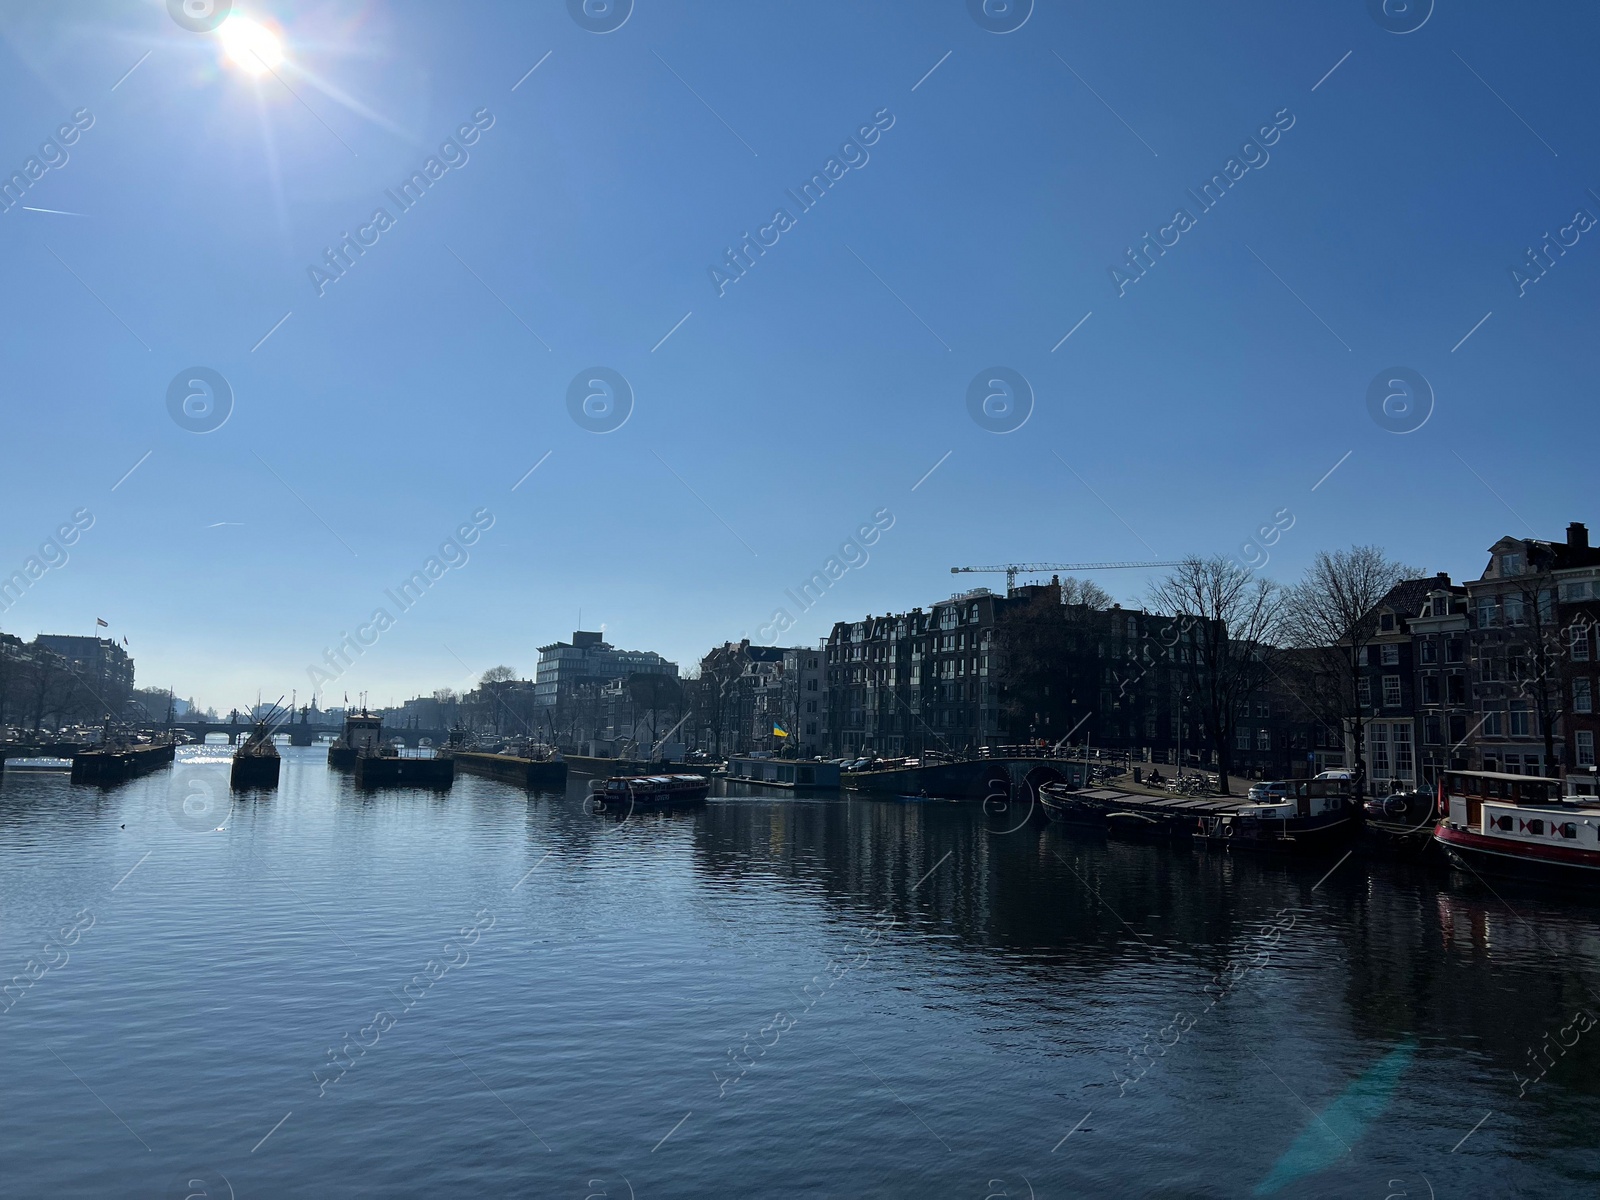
(1497, 673)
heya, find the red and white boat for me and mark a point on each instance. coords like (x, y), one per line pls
(1519, 825)
(649, 791)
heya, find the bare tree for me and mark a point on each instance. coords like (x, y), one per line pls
(1084, 591)
(500, 674)
(1240, 614)
(1330, 613)
(1538, 669)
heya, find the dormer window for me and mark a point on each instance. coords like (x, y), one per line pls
(1386, 622)
(1511, 564)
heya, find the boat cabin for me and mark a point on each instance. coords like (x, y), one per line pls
(363, 732)
(1302, 798)
(1523, 808)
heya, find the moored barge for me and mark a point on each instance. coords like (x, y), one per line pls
(387, 768)
(363, 733)
(1314, 814)
(114, 764)
(256, 762)
(1519, 826)
(534, 774)
(1401, 821)
(1317, 815)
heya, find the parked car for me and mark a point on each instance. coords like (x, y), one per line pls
(1336, 775)
(1270, 791)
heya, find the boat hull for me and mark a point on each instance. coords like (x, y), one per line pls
(666, 792)
(382, 770)
(1296, 835)
(537, 775)
(254, 771)
(114, 766)
(1476, 852)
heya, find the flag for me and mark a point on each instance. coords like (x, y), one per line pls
(124, 641)
(103, 624)
(778, 731)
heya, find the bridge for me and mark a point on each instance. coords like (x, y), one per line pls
(304, 733)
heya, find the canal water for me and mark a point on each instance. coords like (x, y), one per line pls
(318, 992)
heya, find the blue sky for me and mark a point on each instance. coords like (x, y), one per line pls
(776, 418)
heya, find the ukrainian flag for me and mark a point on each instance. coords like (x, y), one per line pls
(779, 731)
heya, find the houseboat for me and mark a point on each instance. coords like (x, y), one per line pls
(1519, 825)
(1401, 821)
(362, 733)
(1315, 815)
(649, 791)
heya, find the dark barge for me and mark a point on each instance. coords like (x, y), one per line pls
(363, 732)
(648, 791)
(1317, 815)
(377, 770)
(256, 762)
(115, 764)
(534, 774)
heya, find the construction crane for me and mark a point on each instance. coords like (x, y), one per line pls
(1012, 570)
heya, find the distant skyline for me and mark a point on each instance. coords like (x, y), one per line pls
(667, 314)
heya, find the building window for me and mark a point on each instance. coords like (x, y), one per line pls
(1391, 691)
(1402, 751)
(1429, 651)
(1364, 692)
(1488, 613)
(1242, 739)
(1580, 643)
(1521, 719)
(1514, 611)
(1430, 689)
(1582, 696)
(1389, 655)
(1584, 745)
(1454, 650)
(1386, 622)
(1378, 742)
(1493, 726)
(1511, 564)
(1263, 739)
(1431, 730)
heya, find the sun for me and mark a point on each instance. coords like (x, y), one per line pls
(250, 46)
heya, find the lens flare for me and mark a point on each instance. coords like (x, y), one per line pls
(249, 45)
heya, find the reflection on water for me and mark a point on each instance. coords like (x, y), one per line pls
(323, 991)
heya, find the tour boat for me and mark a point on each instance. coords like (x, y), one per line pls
(1519, 825)
(650, 791)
